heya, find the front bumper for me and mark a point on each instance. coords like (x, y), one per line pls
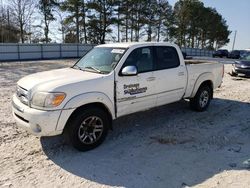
(36, 122)
(242, 71)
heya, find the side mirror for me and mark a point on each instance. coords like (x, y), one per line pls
(129, 71)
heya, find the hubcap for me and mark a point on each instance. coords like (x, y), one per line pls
(90, 130)
(204, 98)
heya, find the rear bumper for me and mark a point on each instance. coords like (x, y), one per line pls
(36, 122)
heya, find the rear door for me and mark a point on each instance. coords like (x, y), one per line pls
(170, 74)
(137, 93)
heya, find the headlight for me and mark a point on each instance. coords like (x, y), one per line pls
(243, 66)
(48, 100)
(237, 65)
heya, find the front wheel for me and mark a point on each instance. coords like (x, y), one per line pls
(234, 73)
(202, 99)
(88, 128)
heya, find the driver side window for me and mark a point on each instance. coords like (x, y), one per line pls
(142, 58)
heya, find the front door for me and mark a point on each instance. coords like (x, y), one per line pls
(137, 93)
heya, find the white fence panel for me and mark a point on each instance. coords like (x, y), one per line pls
(30, 55)
(67, 54)
(8, 56)
(197, 52)
(12, 52)
(51, 55)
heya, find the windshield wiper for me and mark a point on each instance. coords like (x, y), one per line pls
(76, 66)
(93, 68)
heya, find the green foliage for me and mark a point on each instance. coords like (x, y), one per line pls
(46, 8)
(188, 23)
(197, 26)
(76, 19)
(100, 19)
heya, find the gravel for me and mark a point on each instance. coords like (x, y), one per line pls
(163, 147)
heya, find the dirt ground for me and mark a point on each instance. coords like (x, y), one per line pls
(170, 146)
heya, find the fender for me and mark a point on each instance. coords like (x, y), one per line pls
(91, 97)
(207, 76)
(80, 100)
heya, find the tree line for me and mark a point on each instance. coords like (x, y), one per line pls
(188, 23)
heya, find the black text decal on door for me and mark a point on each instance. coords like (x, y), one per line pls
(133, 89)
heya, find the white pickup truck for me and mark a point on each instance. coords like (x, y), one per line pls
(110, 81)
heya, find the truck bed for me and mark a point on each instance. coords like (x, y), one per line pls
(197, 61)
(197, 68)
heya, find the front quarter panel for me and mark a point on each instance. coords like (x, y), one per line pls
(83, 99)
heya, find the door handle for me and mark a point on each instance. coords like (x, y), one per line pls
(180, 73)
(150, 79)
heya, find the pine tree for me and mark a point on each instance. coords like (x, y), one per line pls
(46, 8)
(198, 26)
(163, 19)
(101, 17)
(77, 16)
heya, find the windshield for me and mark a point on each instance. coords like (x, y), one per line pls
(101, 60)
(235, 52)
(246, 56)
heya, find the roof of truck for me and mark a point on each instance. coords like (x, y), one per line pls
(130, 44)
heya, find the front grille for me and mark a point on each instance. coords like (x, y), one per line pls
(242, 66)
(22, 95)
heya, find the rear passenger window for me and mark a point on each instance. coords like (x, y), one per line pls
(166, 57)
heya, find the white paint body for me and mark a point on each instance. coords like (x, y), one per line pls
(81, 88)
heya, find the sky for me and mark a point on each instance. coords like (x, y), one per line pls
(237, 15)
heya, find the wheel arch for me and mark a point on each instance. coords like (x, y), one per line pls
(85, 107)
(208, 83)
(204, 79)
(82, 101)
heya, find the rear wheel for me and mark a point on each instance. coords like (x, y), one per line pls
(202, 99)
(88, 128)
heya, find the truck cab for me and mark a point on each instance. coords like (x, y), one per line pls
(110, 81)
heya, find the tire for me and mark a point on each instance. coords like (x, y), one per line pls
(234, 74)
(87, 129)
(202, 98)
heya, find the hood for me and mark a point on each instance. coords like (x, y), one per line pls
(50, 80)
(244, 62)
